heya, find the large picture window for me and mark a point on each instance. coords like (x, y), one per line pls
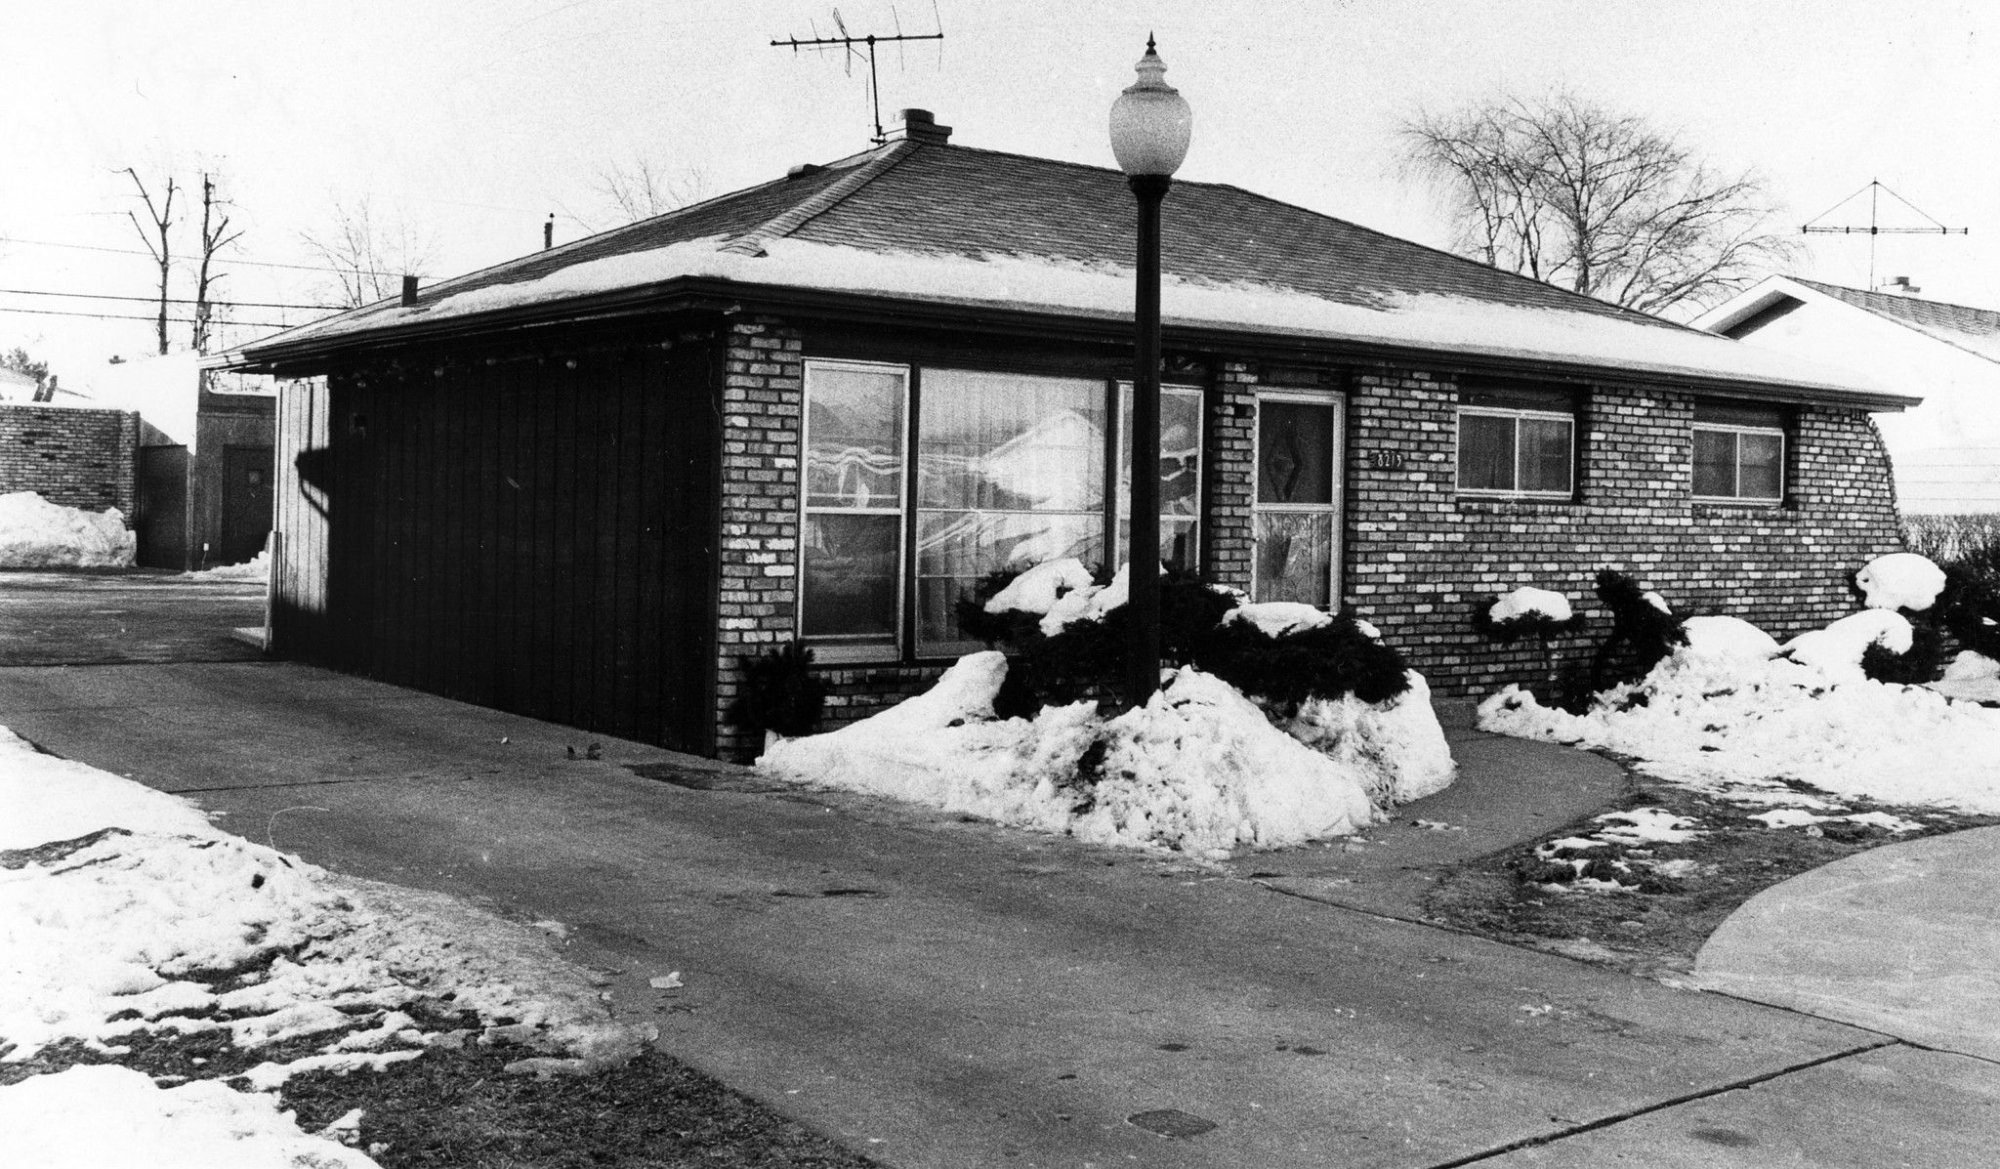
(1739, 452)
(1518, 441)
(1010, 470)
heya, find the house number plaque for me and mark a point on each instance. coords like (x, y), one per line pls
(1385, 460)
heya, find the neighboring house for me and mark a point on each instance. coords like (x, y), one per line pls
(16, 386)
(587, 484)
(206, 466)
(1946, 452)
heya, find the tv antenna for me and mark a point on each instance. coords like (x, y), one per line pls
(851, 46)
(1874, 190)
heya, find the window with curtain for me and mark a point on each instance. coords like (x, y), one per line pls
(1010, 473)
(852, 526)
(1739, 452)
(1517, 440)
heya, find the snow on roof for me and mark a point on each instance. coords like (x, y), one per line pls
(1975, 330)
(1431, 321)
(953, 226)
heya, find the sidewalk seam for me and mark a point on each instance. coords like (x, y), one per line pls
(1674, 1102)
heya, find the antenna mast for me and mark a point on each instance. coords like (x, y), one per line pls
(1875, 189)
(849, 43)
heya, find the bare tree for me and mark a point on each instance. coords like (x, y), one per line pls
(367, 253)
(215, 236)
(641, 188)
(1596, 201)
(157, 240)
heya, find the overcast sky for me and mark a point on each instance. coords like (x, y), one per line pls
(474, 121)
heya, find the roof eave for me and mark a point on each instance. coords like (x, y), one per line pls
(697, 293)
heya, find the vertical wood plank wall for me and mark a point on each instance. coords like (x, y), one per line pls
(530, 534)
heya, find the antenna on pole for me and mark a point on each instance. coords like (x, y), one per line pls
(849, 43)
(1874, 228)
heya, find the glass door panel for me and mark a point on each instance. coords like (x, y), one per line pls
(1296, 521)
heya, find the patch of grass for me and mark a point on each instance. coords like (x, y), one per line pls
(1656, 928)
(456, 1107)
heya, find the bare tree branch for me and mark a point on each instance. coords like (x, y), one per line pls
(158, 240)
(1596, 201)
(215, 236)
(368, 255)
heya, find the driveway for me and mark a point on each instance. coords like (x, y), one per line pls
(94, 618)
(942, 992)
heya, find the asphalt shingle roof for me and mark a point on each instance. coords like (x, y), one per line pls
(1974, 329)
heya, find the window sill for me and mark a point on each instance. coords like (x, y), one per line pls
(1512, 503)
(836, 654)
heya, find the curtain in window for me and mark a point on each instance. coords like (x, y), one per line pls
(1485, 453)
(1180, 475)
(852, 533)
(1010, 473)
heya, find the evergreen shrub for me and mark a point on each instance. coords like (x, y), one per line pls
(780, 693)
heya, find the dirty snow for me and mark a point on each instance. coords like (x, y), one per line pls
(258, 567)
(1529, 601)
(124, 899)
(1900, 580)
(1199, 769)
(35, 533)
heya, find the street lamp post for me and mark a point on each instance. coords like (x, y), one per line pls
(1150, 126)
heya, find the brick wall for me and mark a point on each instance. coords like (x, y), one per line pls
(1418, 560)
(762, 388)
(77, 458)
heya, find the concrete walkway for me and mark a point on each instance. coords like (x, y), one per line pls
(1903, 939)
(938, 992)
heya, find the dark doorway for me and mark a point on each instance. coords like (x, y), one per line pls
(162, 512)
(246, 503)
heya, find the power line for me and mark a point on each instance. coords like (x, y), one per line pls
(50, 312)
(44, 243)
(170, 300)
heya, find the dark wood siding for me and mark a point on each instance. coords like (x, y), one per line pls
(528, 532)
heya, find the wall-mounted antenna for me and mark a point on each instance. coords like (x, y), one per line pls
(1874, 190)
(850, 44)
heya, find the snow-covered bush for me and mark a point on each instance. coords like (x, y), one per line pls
(1065, 638)
(1644, 629)
(35, 533)
(1529, 612)
(1900, 580)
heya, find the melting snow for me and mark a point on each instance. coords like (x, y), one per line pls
(35, 533)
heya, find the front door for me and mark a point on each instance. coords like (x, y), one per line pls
(1296, 522)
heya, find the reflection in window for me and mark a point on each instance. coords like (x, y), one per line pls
(852, 532)
(1180, 474)
(1010, 473)
(1297, 511)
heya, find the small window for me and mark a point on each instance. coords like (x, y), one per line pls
(1517, 440)
(1739, 452)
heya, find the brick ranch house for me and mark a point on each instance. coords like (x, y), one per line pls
(586, 484)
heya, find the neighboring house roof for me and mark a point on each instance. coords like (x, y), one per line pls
(976, 231)
(1975, 330)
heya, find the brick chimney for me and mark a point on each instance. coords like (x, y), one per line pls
(919, 126)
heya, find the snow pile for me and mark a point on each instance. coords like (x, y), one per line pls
(1729, 637)
(1529, 602)
(1199, 769)
(1753, 730)
(203, 1124)
(1039, 588)
(258, 567)
(35, 533)
(122, 910)
(1971, 677)
(1900, 580)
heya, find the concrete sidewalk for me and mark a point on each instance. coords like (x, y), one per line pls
(939, 992)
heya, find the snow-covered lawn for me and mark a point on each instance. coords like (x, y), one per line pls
(124, 910)
(35, 533)
(1199, 769)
